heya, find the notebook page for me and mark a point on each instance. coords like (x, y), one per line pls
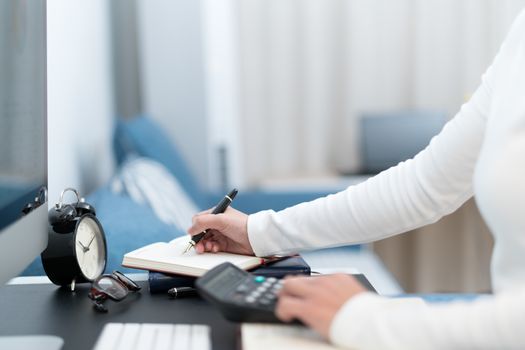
(259, 336)
(170, 257)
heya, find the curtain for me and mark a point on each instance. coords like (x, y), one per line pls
(452, 255)
(309, 69)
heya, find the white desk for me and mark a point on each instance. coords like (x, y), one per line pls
(350, 260)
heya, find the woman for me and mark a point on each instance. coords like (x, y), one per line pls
(480, 152)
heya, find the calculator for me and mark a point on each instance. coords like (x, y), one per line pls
(239, 295)
(244, 297)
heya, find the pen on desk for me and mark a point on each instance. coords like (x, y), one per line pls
(182, 292)
(219, 209)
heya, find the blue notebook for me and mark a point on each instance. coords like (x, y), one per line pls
(295, 265)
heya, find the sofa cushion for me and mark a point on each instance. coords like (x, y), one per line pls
(142, 136)
(148, 182)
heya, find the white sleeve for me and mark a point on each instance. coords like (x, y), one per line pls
(414, 193)
(369, 321)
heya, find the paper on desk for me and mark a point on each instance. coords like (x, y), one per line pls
(260, 336)
(332, 270)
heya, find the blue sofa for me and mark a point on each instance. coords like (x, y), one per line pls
(129, 225)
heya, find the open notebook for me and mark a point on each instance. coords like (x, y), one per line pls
(169, 258)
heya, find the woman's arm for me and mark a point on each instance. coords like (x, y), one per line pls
(341, 310)
(412, 194)
(368, 321)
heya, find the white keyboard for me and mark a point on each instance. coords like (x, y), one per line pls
(154, 336)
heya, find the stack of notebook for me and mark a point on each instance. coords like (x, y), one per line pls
(168, 267)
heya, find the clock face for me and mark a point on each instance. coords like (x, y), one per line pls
(90, 248)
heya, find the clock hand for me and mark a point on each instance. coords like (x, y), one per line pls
(84, 249)
(92, 238)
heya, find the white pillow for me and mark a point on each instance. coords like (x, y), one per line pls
(148, 182)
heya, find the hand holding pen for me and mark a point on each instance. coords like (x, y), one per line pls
(219, 209)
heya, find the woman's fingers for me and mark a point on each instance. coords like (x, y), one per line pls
(290, 308)
(210, 243)
(199, 247)
(315, 300)
(207, 221)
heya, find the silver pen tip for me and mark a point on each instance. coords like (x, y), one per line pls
(190, 245)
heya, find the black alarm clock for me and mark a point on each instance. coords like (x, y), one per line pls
(76, 250)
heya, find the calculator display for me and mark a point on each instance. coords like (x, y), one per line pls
(225, 279)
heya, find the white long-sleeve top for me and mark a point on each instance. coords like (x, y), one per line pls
(480, 152)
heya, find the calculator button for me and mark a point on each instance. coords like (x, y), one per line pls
(238, 297)
(250, 299)
(242, 288)
(255, 294)
(259, 279)
(272, 279)
(265, 302)
(262, 289)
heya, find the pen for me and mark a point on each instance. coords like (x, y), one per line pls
(182, 292)
(219, 209)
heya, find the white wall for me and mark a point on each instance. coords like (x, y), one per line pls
(80, 96)
(172, 77)
(221, 74)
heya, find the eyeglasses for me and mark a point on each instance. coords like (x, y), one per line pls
(115, 287)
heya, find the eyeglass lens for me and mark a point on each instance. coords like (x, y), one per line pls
(112, 287)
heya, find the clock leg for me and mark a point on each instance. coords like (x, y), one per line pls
(73, 282)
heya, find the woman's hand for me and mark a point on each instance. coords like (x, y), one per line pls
(227, 232)
(316, 300)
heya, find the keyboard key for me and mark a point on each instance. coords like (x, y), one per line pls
(108, 339)
(147, 336)
(116, 336)
(201, 338)
(164, 337)
(128, 336)
(182, 337)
